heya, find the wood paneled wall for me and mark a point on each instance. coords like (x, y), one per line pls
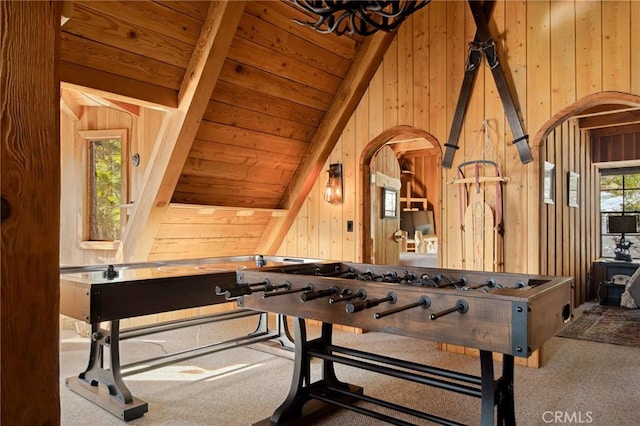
(555, 53)
(190, 231)
(569, 235)
(187, 231)
(141, 130)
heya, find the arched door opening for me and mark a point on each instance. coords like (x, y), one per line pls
(418, 158)
(573, 146)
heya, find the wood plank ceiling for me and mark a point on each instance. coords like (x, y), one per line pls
(276, 108)
(277, 83)
(275, 87)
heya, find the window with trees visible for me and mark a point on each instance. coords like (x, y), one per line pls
(105, 189)
(619, 195)
(106, 183)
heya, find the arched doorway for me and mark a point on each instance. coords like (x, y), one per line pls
(397, 138)
(570, 228)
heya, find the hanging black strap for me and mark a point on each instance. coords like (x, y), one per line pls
(473, 62)
(490, 51)
(483, 44)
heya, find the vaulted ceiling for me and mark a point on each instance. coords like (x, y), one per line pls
(256, 100)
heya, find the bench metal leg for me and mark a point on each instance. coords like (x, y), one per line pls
(118, 400)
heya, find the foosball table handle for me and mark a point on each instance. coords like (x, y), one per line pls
(347, 295)
(461, 306)
(370, 303)
(311, 295)
(308, 287)
(424, 301)
(246, 289)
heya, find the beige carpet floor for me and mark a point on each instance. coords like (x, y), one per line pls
(581, 383)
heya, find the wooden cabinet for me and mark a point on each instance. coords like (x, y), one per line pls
(602, 271)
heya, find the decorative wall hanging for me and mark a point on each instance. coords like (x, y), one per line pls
(389, 203)
(480, 225)
(573, 189)
(484, 46)
(549, 183)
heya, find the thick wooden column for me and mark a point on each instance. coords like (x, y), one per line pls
(30, 186)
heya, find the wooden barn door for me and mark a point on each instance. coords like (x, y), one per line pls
(386, 180)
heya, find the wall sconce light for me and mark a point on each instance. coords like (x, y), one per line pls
(333, 190)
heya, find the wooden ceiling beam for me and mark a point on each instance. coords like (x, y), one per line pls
(97, 100)
(72, 101)
(124, 106)
(410, 145)
(603, 109)
(89, 80)
(345, 101)
(69, 105)
(421, 153)
(610, 120)
(179, 130)
(615, 130)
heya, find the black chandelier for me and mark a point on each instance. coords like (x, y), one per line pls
(357, 17)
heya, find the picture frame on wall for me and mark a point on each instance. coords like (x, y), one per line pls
(389, 203)
(573, 189)
(549, 183)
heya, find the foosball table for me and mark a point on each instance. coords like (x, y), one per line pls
(509, 314)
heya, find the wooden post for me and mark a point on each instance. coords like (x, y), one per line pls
(30, 136)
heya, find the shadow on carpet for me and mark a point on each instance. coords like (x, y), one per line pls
(606, 324)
